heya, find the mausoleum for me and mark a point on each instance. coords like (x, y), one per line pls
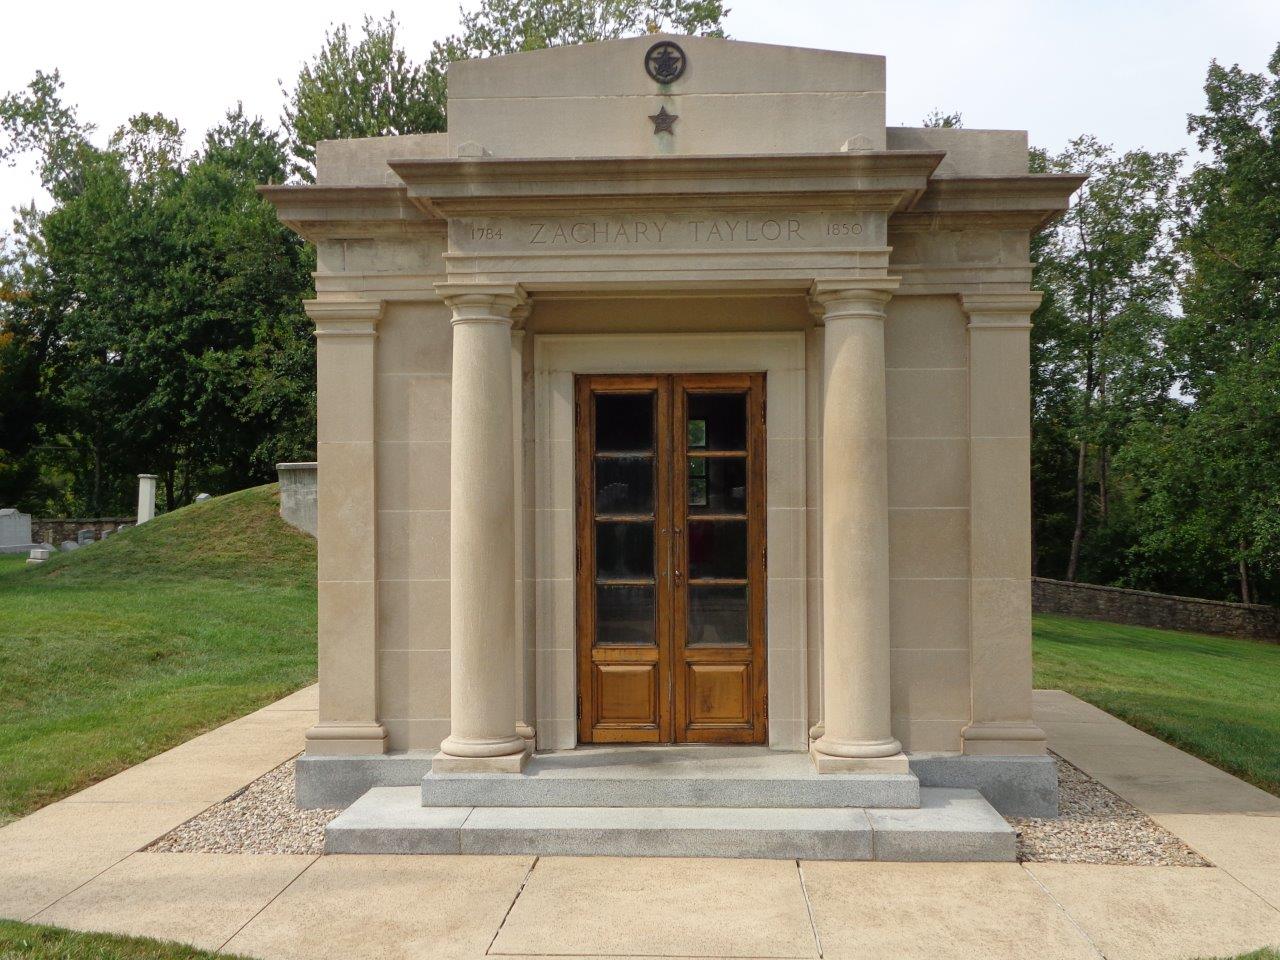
(673, 462)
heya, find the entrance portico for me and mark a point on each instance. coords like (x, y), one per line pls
(865, 288)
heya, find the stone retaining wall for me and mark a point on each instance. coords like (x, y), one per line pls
(298, 495)
(56, 531)
(1143, 609)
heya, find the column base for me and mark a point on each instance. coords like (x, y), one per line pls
(1003, 738)
(334, 738)
(826, 763)
(858, 756)
(525, 731)
(507, 763)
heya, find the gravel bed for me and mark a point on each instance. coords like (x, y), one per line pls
(261, 818)
(1095, 826)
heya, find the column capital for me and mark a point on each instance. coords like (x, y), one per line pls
(484, 302)
(345, 318)
(854, 297)
(1002, 310)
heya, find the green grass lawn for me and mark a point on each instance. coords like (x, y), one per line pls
(1214, 697)
(29, 942)
(115, 652)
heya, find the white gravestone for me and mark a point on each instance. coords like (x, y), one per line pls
(146, 497)
(15, 531)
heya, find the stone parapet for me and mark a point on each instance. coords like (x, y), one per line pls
(1142, 608)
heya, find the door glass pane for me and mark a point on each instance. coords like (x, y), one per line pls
(624, 485)
(717, 549)
(717, 615)
(717, 485)
(624, 422)
(717, 421)
(624, 615)
(624, 551)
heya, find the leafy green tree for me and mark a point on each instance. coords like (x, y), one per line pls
(363, 88)
(166, 298)
(1212, 474)
(937, 118)
(1110, 270)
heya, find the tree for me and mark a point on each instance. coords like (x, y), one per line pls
(937, 118)
(1110, 271)
(369, 88)
(372, 88)
(161, 296)
(1213, 474)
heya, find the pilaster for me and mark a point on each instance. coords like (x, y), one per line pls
(1000, 524)
(346, 340)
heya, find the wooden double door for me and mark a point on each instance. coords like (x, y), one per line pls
(671, 559)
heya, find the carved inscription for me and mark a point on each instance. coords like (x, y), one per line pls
(713, 230)
(672, 231)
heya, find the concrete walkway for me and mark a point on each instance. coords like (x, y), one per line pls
(74, 864)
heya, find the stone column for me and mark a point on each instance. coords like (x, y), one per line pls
(1000, 525)
(856, 734)
(347, 526)
(146, 497)
(484, 701)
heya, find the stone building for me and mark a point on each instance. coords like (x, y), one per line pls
(671, 398)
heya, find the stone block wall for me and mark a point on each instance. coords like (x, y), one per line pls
(56, 531)
(1143, 609)
(298, 495)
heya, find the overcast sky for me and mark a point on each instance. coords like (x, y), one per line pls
(1128, 71)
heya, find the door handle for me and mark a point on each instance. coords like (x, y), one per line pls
(676, 547)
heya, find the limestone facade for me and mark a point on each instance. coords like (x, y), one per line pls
(878, 276)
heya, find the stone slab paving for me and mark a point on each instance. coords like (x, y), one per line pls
(656, 907)
(389, 908)
(983, 911)
(200, 899)
(1158, 913)
(76, 863)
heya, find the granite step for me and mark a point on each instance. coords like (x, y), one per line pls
(949, 825)
(743, 777)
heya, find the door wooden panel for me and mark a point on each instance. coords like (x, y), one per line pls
(719, 695)
(671, 558)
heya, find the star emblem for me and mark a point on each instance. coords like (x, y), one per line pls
(664, 61)
(663, 121)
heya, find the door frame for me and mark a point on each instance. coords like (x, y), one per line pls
(791, 360)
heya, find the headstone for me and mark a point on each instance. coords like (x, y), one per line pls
(15, 531)
(105, 533)
(38, 555)
(69, 545)
(202, 497)
(85, 536)
(146, 497)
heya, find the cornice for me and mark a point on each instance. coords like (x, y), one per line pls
(1027, 201)
(884, 180)
(320, 212)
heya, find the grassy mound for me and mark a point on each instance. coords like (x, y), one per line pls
(238, 537)
(115, 652)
